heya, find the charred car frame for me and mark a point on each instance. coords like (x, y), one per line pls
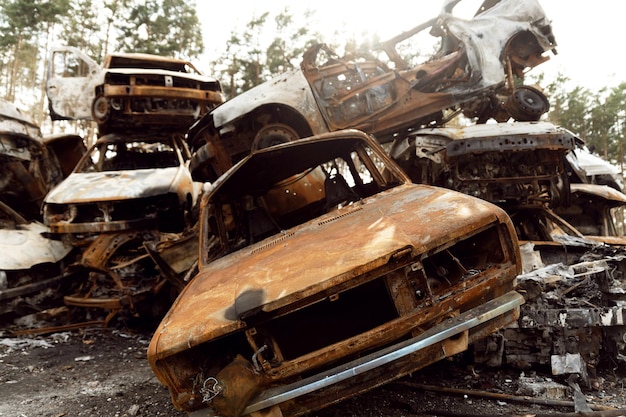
(133, 181)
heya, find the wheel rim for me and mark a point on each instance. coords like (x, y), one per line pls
(527, 104)
(101, 109)
(274, 134)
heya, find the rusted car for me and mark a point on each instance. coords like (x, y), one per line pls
(128, 90)
(32, 267)
(324, 272)
(477, 70)
(125, 182)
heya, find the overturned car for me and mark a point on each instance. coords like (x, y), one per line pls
(476, 70)
(324, 272)
(128, 90)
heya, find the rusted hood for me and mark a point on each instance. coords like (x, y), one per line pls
(25, 247)
(315, 257)
(113, 185)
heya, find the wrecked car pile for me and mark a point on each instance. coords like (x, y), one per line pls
(573, 282)
(33, 272)
(483, 236)
(476, 70)
(128, 205)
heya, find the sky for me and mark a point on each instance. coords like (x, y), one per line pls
(589, 35)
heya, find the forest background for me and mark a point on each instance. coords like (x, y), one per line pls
(269, 44)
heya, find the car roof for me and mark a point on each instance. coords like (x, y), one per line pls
(260, 168)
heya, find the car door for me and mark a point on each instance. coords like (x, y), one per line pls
(71, 80)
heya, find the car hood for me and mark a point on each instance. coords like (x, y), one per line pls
(316, 257)
(113, 185)
(25, 247)
(161, 72)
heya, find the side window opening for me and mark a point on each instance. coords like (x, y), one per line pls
(67, 65)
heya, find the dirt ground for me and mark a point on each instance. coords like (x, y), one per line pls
(104, 372)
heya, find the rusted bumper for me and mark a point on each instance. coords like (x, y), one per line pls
(202, 96)
(100, 227)
(495, 313)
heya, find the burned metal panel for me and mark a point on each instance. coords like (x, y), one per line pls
(68, 149)
(592, 169)
(256, 316)
(31, 266)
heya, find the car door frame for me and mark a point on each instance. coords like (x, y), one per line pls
(71, 90)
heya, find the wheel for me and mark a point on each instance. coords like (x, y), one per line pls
(101, 109)
(274, 134)
(527, 104)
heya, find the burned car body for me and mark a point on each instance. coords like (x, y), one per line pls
(131, 274)
(32, 267)
(324, 272)
(128, 90)
(474, 71)
(136, 181)
(28, 169)
(505, 163)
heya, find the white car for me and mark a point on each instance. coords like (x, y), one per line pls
(125, 182)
